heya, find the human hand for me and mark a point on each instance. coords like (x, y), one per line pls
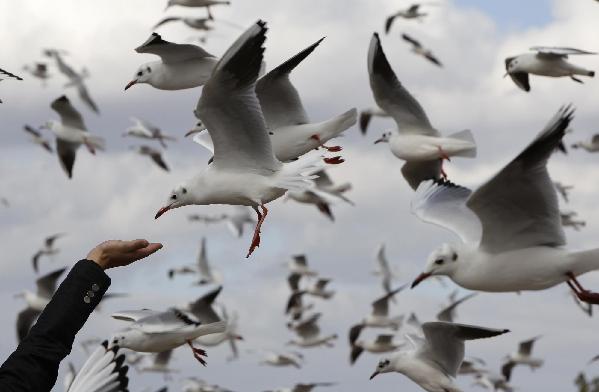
(115, 253)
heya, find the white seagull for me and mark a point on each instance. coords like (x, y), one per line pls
(384, 270)
(38, 70)
(449, 312)
(145, 130)
(152, 331)
(5, 74)
(244, 170)
(37, 138)
(154, 154)
(522, 357)
(303, 387)
(71, 133)
(283, 360)
(181, 66)
(420, 50)
(231, 335)
(546, 61)
(415, 140)
(203, 24)
(299, 265)
(193, 384)
(197, 4)
(309, 335)
(512, 237)
(434, 361)
(47, 249)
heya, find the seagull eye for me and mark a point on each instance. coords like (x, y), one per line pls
(439, 261)
(454, 257)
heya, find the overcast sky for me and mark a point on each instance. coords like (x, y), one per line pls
(116, 193)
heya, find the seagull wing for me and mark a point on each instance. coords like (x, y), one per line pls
(166, 20)
(68, 114)
(417, 171)
(133, 315)
(550, 51)
(280, 101)
(230, 108)
(32, 131)
(518, 207)
(203, 265)
(171, 52)
(202, 307)
(392, 96)
(384, 339)
(444, 347)
(66, 155)
(526, 346)
(85, 97)
(444, 204)
(380, 307)
(46, 285)
(411, 40)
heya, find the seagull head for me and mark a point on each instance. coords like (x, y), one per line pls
(50, 125)
(142, 75)
(124, 339)
(442, 261)
(180, 196)
(384, 138)
(511, 65)
(384, 366)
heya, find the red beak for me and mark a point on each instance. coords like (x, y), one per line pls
(419, 279)
(131, 83)
(162, 211)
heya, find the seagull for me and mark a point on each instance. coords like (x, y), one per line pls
(71, 132)
(367, 114)
(591, 145)
(323, 194)
(384, 270)
(420, 50)
(181, 66)
(547, 61)
(415, 141)
(202, 268)
(152, 331)
(154, 154)
(563, 190)
(230, 335)
(103, 371)
(159, 363)
(5, 74)
(38, 70)
(522, 357)
(569, 220)
(303, 387)
(283, 360)
(145, 130)
(412, 12)
(197, 128)
(291, 132)
(318, 289)
(47, 250)
(245, 170)
(299, 265)
(295, 304)
(448, 313)
(37, 138)
(382, 344)
(289, 128)
(308, 332)
(378, 318)
(434, 361)
(236, 219)
(510, 227)
(193, 384)
(198, 3)
(203, 24)
(492, 381)
(76, 79)
(470, 366)
(36, 302)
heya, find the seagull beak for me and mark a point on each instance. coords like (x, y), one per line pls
(376, 373)
(239, 337)
(419, 279)
(162, 211)
(381, 140)
(191, 132)
(506, 74)
(131, 83)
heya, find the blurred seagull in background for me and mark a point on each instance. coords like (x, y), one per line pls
(522, 357)
(591, 145)
(382, 344)
(197, 4)
(71, 133)
(181, 66)
(412, 12)
(202, 268)
(145, 130)
(303, 387)
(236, 218)
(309, 335)
(39, 71)
(37, 138)
(367, 114)
(47, 250)
(415, 140)
(547, 61)
(448, 313)
(281, 360)
(203, 24)
(420, 50)
(154, 154)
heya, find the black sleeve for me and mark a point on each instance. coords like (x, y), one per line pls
(33, 366)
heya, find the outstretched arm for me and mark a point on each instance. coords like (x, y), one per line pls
(33, 366)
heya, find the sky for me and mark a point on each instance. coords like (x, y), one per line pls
(116, 193)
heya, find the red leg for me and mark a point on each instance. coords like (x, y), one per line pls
(443, 155)
(582, 294)
(443, 174)
(256, 239)
(328, 148)
(91, 148)
(198, 353)
(334, 160)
